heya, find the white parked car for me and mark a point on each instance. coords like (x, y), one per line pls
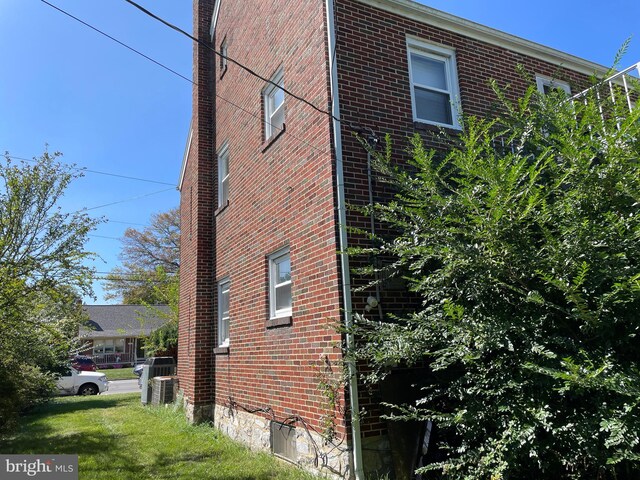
(75, 382)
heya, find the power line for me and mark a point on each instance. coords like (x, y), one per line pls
(102, 236)
(255, 115)
(126, 176)
(115, 40)
(229, 59)
(84, 169)
(173, 187)
(132, 274)
(122, 279)
(352, 127)
(128, 199)
(127, 223)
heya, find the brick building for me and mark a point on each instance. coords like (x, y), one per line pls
(264, 184)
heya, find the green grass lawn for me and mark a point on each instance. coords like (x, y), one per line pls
(125, 373)
(116, 438)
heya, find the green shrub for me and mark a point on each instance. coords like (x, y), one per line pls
(523, 242)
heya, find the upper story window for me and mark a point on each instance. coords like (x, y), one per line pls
(224, 53)
(223, 312)
(434, 84)
(547, 84)
(280, 284)
(223, 176)
(273, 101)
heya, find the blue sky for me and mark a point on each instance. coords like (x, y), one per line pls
(110, 110)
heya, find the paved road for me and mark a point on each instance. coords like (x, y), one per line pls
(122, 386)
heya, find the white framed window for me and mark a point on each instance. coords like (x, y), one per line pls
(223, 176)
(280, 284)
(108, 345)
(223, 312)
(434, 84)
(547, 84)
(273, 102)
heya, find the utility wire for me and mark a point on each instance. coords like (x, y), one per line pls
(121, 201)
(84, 169)
(128, 199)
(231, 60)
(115, 40)
(143, 275)
(255, 115)
(354, 128)
(127, 223)
(122, 279)
(127, 177)
(113, 175)
(102, 236)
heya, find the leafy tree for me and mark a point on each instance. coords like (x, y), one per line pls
(149, 275)
(164, 340)
(149, 257)
(42, 276)
(523, 243)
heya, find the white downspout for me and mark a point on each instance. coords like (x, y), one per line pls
(352, 378)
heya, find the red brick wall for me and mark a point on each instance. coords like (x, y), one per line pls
(375, 93)
(197, 269)
(281, 194)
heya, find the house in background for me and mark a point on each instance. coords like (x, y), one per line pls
(114, 334)
(264, 186)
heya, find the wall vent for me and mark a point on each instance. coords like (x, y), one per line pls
(283, 441)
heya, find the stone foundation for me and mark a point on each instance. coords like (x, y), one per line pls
(313, 454)
(195, 413)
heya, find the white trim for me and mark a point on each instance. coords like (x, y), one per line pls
(268, 92)
(214, 19)
(421, 13)
(185, 156)
(222, 283)
(448, 57)
(222, 152)
(544, 81)
(273, 265)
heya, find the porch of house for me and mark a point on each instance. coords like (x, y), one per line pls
(116, 360)
(110, 354)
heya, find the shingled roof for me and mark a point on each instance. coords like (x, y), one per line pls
(121, 320)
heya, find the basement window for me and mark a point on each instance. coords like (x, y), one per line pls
(283, 441)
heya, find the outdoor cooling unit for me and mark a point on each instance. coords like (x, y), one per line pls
(162, 390)
(155, 367)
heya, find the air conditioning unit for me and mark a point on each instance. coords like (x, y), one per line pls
(162, 390)
(154, 367)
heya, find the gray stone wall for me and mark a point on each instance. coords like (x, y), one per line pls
(332, 460)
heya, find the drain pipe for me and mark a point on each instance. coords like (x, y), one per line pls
(372, 142)
(352, 378)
